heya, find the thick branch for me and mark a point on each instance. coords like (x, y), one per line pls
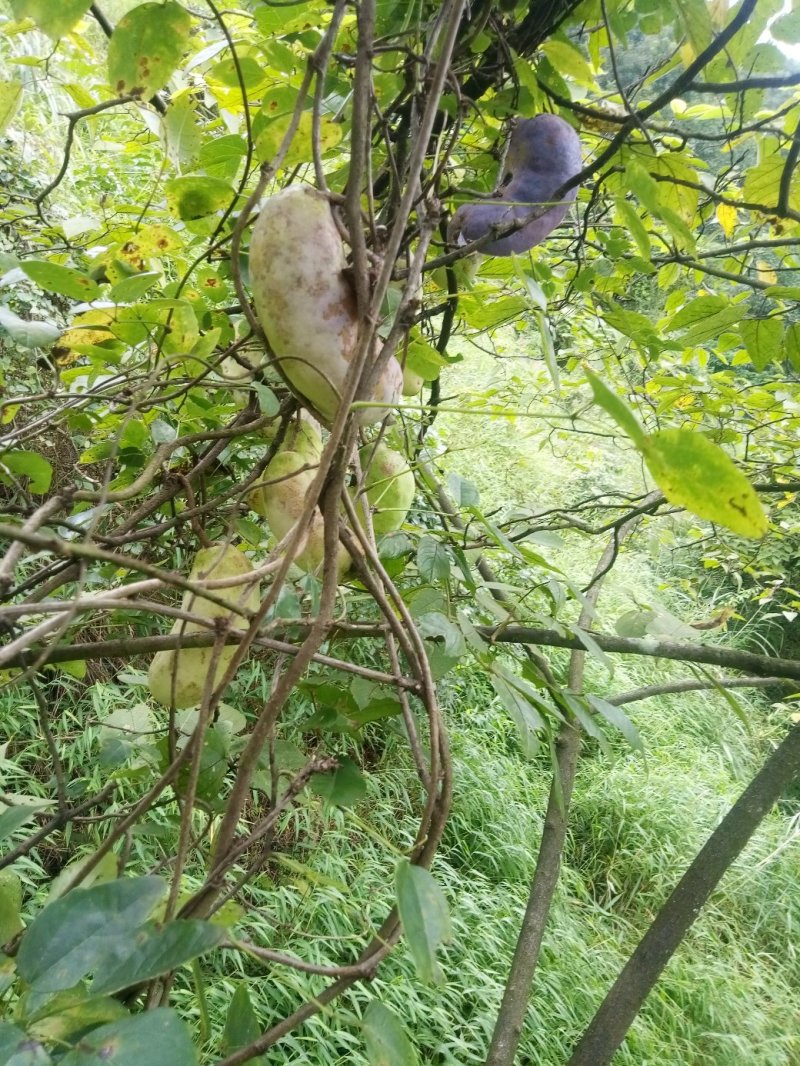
(127, 647)
(762, 665)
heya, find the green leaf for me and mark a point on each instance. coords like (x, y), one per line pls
(635, 325)
(762, 183)
(523, 706)
(196, 197)
(630, 219)
(580, 708)
(697, 474)
(425, 916)
(343, 787)
(146, 47)
(222, 157)
(28, 334)
(17, 1048)
(548, 349)
(10, 905)
(433, 562)
(182, 134)
(241, 1023)
(155, 951)
(422, 358)
(52, 277)
(763, 339)
(10, 99)
(433, 625)
(786, 27)
(387, 1043)
(464, 493)
(53, 17)
(13, 818)
(73, 935)
(272, 123)
(153, 1038)
(569, 62)
(30, 465)
(792, 345)
(619, 720)
(133, 288)
(617, 408)
(694, 18)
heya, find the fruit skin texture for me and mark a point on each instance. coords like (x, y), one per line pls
(543, 153)
(303, 434)
(305, 302)
(388, 485)
(281, 500)
(191, 666)
(412, 382)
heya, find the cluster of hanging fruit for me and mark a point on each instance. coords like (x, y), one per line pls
(307, 308)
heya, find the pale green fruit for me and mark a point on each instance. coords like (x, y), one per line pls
(305, 302)
(281, 500)
(233, 371)
(304, 434)
(389, 487)
(412, 383)
(190, 666)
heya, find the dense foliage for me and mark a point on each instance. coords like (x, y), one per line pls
(246, 553)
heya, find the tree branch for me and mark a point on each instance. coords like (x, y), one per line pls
(762, 665)
(611, 1022)
(695, 684)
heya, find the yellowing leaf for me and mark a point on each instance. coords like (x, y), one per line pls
(726, 216)
(146, 47)
(269, 140)
(89, 328)
(765, 273)
(54, 17)
(10, 97)
(697, 474)
(569, 61)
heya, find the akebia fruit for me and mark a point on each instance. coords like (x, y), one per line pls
(388, 485)
(281, 500)
(412, 382)
(306, 303)
(178, 678)
(304, 436)
(544, 152)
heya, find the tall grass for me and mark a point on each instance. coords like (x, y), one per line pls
(728, 998)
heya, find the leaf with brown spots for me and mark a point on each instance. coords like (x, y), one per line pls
(697, 474)
(146, 47)
(54, 19)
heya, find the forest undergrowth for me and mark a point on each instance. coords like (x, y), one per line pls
(729, 997)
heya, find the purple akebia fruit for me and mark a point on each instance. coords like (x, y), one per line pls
(544, 152)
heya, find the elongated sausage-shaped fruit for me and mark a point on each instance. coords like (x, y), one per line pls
(389, 487)
(543, 153)
(306, 303)
(281, 500)
(190, 667)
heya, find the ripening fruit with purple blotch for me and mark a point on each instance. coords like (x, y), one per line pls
(306, 303)
(544, 153)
